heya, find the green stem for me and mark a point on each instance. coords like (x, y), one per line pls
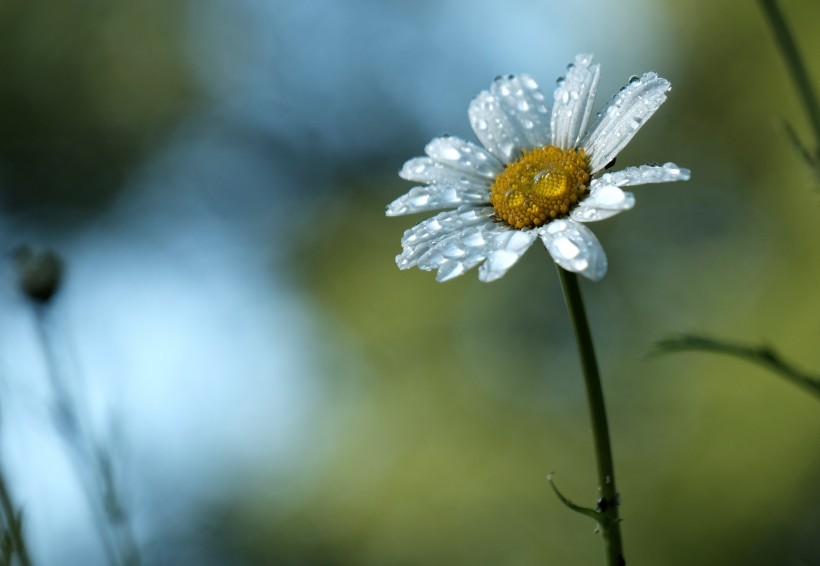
(794, 62)
(607, 507)
(761, 355)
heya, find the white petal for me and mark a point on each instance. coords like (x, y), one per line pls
(435, 197)
(645, 174)
(464, 156)
(573, 102)
(493, 127)
(454, 252)
(504, 250)
(424, 235)
(523, 103)
(462, 250)
(629, 109)
(574, 247)
(604, 201)
(427, 170)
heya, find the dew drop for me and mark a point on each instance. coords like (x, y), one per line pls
(454, 251)
(474, 240)
(609, 196)
(485, 169)
(449, 270)
(671, 168)
(566, 248)
(501, 260)
(450, 153)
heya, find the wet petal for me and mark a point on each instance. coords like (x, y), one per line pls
(645, 174)
(574, 247)
(427, 170)
(436, 197)
(604, 201)
(493, 127)
(573, 102)
(424, 235)
(524, 104)
(504, 251)
(629, 109)
(462, 250)
(455, 252)
(464, 156)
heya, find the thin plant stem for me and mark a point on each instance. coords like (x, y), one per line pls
(761, 355)
(794, 62)
(92, 462)
(13, 524)
(607, 505)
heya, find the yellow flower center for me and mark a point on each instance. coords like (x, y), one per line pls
(545, 183)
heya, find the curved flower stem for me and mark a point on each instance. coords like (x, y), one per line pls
(761, 355)
(607, 506)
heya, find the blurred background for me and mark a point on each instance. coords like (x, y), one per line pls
(273, 390)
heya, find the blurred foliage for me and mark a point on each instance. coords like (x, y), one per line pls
(86, 88)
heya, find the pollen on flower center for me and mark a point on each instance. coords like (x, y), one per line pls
(544, 183)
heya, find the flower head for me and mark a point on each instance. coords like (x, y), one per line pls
(538, 175)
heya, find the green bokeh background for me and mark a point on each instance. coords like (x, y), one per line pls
(448, 404)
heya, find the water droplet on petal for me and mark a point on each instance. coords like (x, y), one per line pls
(609, 195)
(566, 248)
(671, 168)
(449, 270)
(453, 251)
(450, 153)
(501, 260)
(474, 240)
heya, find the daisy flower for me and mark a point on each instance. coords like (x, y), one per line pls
(538, 175)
